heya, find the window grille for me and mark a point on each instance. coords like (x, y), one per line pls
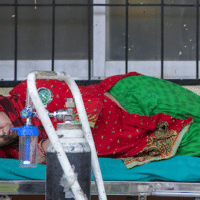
(11, 49)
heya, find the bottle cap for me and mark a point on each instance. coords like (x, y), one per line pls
(27, 130)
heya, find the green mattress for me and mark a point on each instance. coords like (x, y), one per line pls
(176, 169)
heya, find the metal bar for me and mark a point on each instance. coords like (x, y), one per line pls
(197, 40)
(162, 39)
(15, 48)
(53, 35)
(26, 4)
(6, 4)
(90, 82)
(180, 5)
(171, 5)
(175, 194)
(89, 40)
(132, 188)
(185, 81)
(126, 41)
(79, 82)
(9, 83)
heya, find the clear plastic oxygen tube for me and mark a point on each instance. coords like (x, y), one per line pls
(77, 191)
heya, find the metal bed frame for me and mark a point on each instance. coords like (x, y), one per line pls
(127, 188)
(142, 189)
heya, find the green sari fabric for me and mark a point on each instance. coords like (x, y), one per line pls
(146, 95)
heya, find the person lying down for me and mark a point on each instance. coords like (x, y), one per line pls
(133, 117)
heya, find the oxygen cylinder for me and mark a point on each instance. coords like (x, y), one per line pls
(79, 155)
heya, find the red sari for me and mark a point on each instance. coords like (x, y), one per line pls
(116, 133)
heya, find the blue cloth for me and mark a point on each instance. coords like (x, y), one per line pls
(9, 170)
(178, 168)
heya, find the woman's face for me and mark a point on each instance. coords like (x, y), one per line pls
(6, 135)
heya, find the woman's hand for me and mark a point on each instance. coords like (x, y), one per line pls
(6, 135)
(41, 158)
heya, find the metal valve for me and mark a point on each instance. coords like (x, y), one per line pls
(65, 115)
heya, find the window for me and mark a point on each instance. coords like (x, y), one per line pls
(95, 39)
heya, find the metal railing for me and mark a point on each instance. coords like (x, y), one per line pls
(90, 6)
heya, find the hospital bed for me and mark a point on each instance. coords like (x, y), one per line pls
(178, 176)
